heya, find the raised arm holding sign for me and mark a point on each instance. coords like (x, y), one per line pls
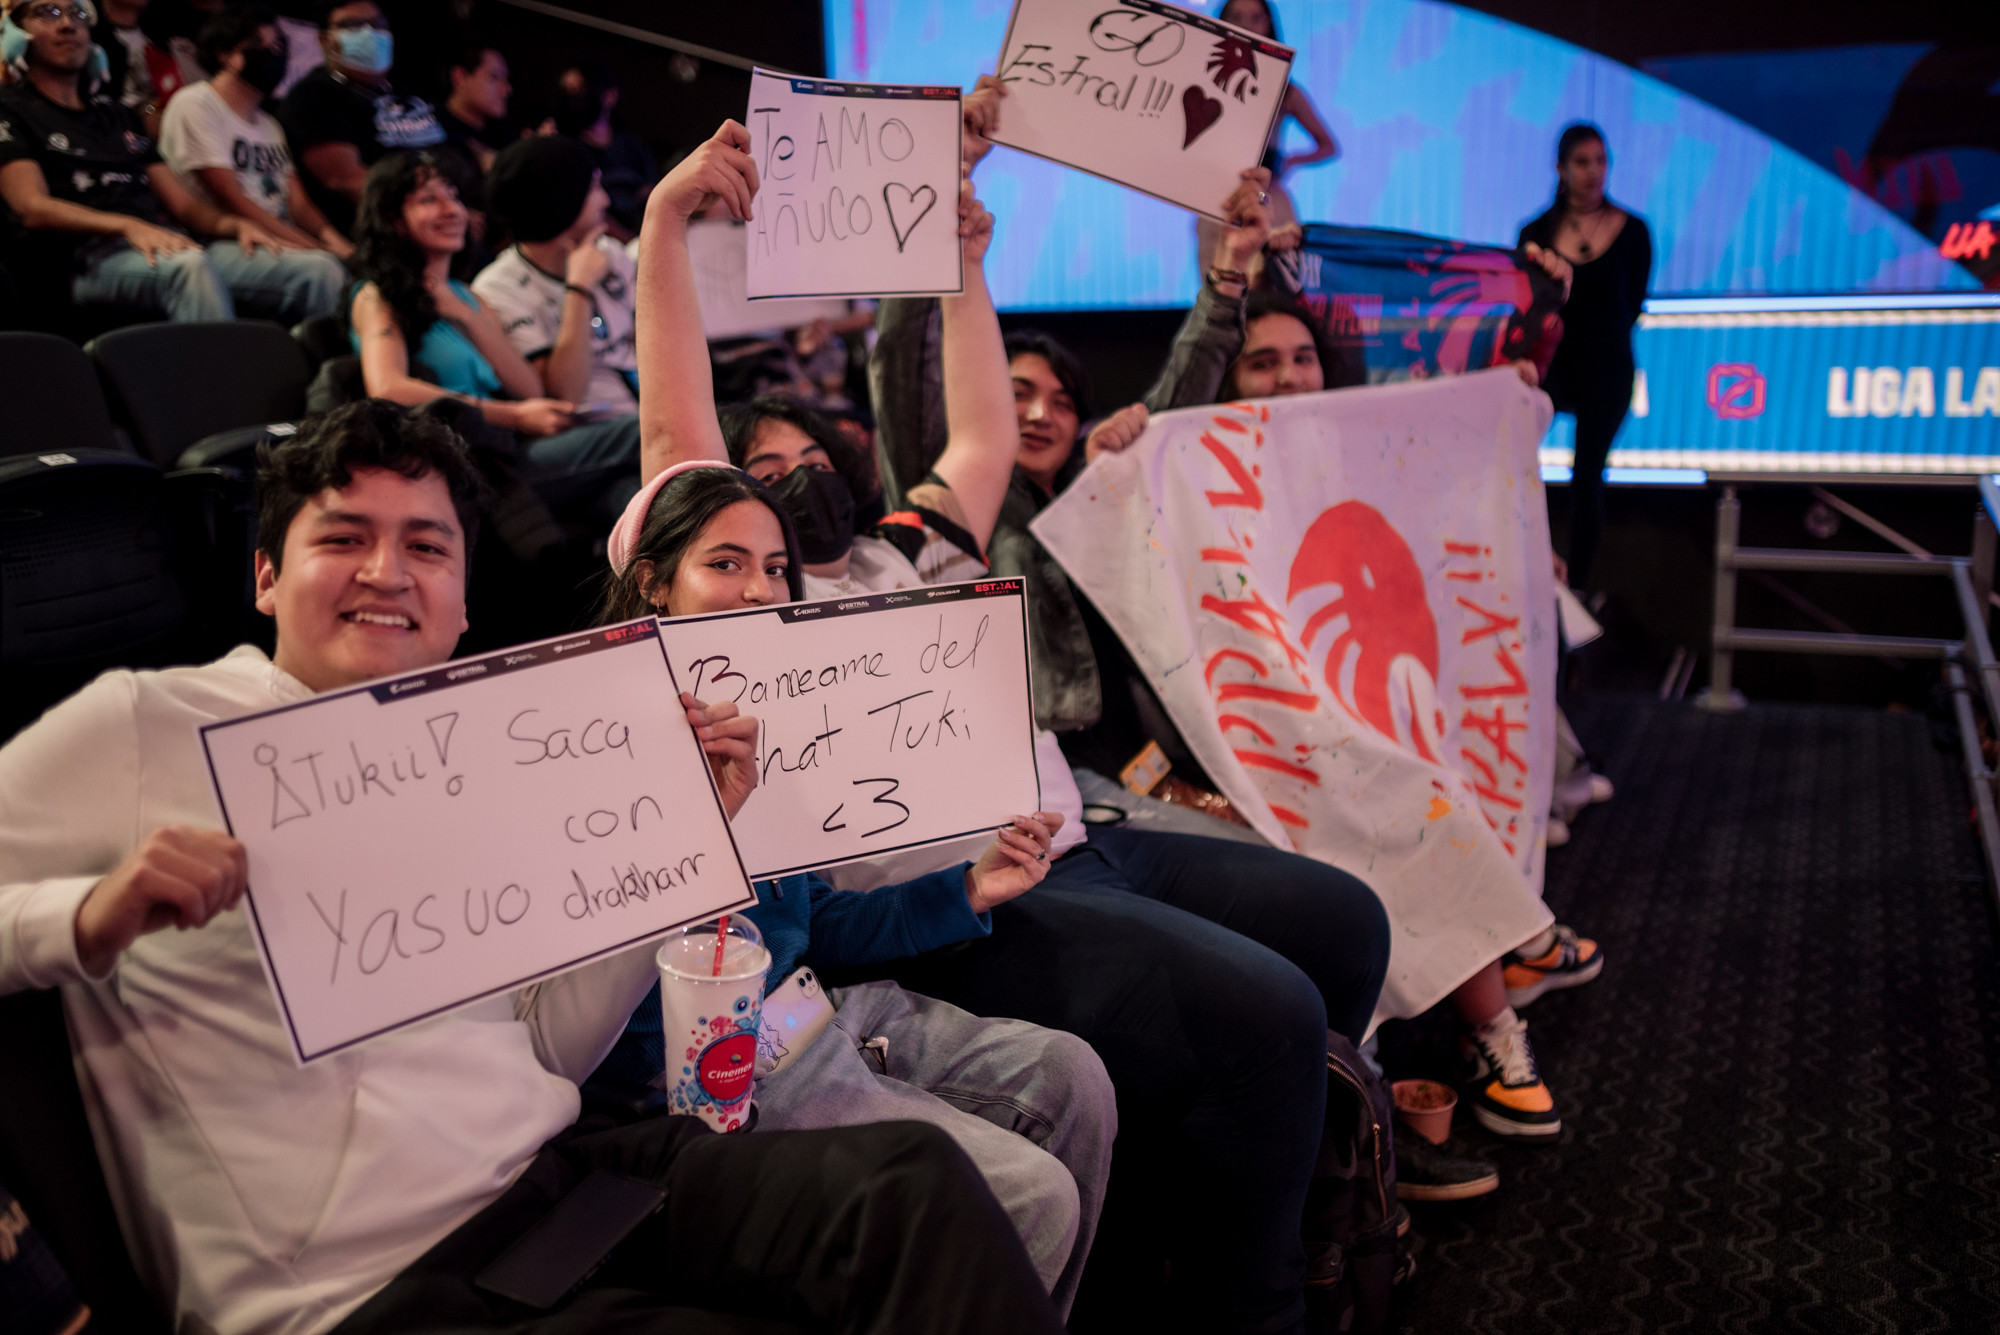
(1146, 94)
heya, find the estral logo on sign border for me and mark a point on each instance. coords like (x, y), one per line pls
(1736, 391)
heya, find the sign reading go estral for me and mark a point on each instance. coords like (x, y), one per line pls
(422, 842)
(1142, 93)
(857, 189)
(891, 721)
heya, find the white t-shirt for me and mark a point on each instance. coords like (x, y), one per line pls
(529, 305)
(259, 1196)
(876, 566)
(200, 129)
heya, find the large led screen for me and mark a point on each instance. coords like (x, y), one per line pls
(1447, 121)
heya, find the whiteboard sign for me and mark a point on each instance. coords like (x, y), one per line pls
(422, 842)
(1151, 96)
(721, 287)
(891, 721)
(857, 191)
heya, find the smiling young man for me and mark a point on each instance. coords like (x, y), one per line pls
(364, 1192)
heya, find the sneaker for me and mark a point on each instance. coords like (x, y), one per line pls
(1427, 1172)
(1506, 1090)
(1572, 961)
(1558, 832)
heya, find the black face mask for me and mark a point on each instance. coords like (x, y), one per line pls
(822, 509)
(264, 69)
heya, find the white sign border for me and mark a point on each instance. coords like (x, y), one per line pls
(1011, 585)
(1194, 20)
(926, 92)
(299, 1054)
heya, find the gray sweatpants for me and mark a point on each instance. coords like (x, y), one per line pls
(1032, 1107)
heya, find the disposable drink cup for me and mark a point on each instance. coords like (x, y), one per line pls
(709, 1019)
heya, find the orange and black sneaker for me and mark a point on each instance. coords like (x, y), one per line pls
(1506, 1090)
(1572, 961)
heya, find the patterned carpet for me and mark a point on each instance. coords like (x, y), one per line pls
(1780, 1097)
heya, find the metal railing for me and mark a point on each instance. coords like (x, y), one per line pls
(1972, 583)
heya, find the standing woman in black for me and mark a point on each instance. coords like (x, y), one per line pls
(1612, 253)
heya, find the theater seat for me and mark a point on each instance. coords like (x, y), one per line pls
(171, 385)
(322, 338)
(92, 554)
(48, 1161)
(51, 396)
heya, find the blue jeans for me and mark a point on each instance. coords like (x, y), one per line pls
(588, 472)
(214, 283)
(1205, 973)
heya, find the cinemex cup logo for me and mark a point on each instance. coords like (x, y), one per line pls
(1735, 391)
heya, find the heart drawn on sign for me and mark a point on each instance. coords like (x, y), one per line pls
(916, 203)
(1201, 111)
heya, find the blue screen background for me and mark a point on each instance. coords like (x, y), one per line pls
(1447, 122)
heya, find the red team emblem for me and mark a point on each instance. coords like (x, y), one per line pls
(1383, 663)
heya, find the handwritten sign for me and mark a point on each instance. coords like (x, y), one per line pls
(891, 721)
(422, 842)
(716, 248)
(1142, 93)
(857, 189)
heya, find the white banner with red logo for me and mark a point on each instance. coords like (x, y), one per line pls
(1345, 601)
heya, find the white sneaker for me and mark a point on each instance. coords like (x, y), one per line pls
(1600, 788)
(1558, 832)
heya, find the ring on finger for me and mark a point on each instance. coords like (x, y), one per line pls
(1263, 197)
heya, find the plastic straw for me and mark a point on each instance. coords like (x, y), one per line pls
(721, 940)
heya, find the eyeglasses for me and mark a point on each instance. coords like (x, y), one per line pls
(50, 12)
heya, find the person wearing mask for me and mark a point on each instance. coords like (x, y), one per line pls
(75, 162)
(408, 309)
(1612, 254)
(228, 150)
(564, 291)
(366, 1193)
(586, 97)
(1158, 941)
(342, 117)
(474, 117)
(1031, 1106)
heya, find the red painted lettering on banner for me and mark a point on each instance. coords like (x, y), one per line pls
(1222, 656)
(1227, 721)
(1515, 685)
(1495, 728)
(1259, 760)
(1248, 495)
(1258, 617)
(1493, 622)
(1270, 695)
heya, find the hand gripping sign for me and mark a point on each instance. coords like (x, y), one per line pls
(422, 842)
(891, 721)
(1142, 93)
(857, 190)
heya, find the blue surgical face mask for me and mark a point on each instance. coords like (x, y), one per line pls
(371, 50)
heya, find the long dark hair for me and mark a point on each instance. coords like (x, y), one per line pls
(383, 253)
(679, 514)
(1270, 16)
(1542, 230)
(740, 421)
(1070, 373)
(1265, 301)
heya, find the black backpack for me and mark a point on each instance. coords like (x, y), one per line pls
(1351, 1212)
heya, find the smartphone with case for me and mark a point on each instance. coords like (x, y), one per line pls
(548, 1262)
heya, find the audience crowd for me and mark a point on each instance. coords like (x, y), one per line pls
(1032, 1096)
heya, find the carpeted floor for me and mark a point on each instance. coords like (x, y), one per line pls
(1780, 1104)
